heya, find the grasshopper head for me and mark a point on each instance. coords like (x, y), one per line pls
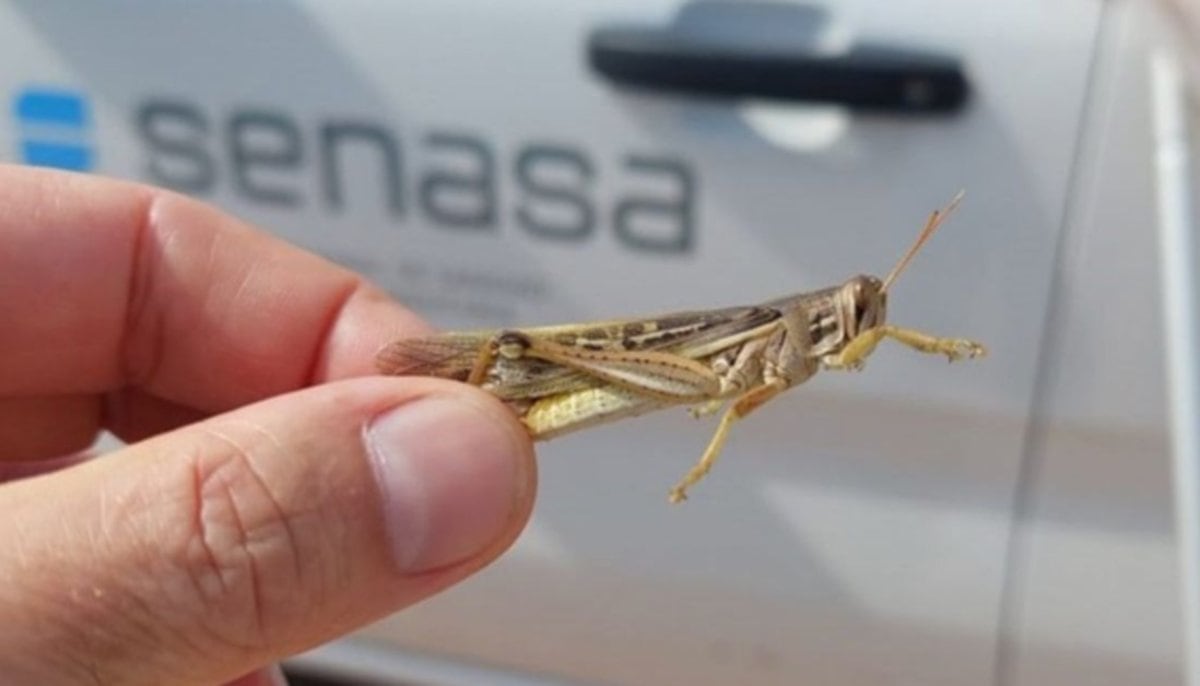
(863, 304)
(862, 300)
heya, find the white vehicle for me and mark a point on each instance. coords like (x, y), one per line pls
(1006, 521)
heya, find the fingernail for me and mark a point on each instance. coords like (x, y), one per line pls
(448, 471)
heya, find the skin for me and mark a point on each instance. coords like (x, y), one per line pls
(246, 519)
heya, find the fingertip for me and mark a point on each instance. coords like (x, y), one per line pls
(453, 475)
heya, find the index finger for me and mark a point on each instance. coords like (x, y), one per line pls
(107, 285)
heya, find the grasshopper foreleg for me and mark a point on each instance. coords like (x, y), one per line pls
(855, 353)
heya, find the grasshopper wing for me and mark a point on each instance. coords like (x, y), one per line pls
(449, 356)
(692, 335)
(453, 356)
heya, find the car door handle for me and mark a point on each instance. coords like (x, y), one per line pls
(866, 77)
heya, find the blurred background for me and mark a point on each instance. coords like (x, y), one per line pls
(1008, 521)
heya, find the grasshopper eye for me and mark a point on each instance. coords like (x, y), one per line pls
(867, 314)
(862, 313)
(870, 303)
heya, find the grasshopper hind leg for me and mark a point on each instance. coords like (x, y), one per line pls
(742, 406)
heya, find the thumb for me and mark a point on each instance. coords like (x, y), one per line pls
(199, 555)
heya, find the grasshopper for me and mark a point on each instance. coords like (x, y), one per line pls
(560, 379)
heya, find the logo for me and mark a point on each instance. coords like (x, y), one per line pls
(54, 128)
(452, 180)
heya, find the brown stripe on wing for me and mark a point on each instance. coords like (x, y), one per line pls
(675, 331)
(721, 324)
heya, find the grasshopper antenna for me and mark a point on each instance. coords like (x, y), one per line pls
(935, 220)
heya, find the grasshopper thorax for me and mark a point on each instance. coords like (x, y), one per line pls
(861, 305)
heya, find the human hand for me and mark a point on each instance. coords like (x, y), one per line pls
(273, 495)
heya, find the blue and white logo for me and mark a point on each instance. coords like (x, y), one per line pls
(55, 128)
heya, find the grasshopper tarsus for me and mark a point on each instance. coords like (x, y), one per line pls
(963, 349)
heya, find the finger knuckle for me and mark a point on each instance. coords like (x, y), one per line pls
(240, 555)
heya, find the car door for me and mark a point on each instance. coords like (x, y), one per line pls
(482, 162)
